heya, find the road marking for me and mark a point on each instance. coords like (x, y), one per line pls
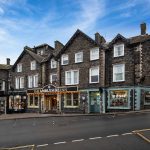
(127, 133)
(42, 145)
(19, 147)
(60, 143)
(79, 140)
(142, 130)
(94, 138)
(112, 135)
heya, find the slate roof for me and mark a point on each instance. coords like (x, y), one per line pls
(5, 67)
(139, 38)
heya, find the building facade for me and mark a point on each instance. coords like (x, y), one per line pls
(4, 85)
(83, 76)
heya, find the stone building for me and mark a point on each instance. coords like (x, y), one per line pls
(83, 76)
(4, 85)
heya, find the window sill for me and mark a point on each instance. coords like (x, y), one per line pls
(118, 107)
(71, 106)
(33, 106)
(119, 81)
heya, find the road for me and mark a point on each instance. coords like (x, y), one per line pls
(82, 132)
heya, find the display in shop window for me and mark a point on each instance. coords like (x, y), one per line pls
(119, 98)
(147, 97)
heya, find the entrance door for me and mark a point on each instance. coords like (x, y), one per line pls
(94, 102)
(51, 102)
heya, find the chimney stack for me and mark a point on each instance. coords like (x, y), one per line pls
(99, 39)
(8, 61)
(143, 28)
(58, 45)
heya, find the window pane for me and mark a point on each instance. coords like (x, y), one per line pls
(68, 99)
(75, 99)
(119, 76)
(75, 77)
(94, 78)
(68, 77)
(36, 101)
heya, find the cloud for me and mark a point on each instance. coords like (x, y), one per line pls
(1, 11)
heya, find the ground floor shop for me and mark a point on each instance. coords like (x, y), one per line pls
(127, 98)
(17, 102)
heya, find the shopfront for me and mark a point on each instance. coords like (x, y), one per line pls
(34, 99)
(146, 98)
(118, 99)
(17, 102)
(94, 100)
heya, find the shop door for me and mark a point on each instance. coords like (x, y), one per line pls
(47, 103)
(53, 103)
(94, 102)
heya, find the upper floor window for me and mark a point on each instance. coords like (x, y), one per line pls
(33, 81)
(118, 50)
(94, 75)
(79, 57)
(19, 67)
(94, 53)
(53, 63)
(71, 77)
(53, 78)
(2, 85)
(33, 65)
(40, 52)
(64, 59)
(118, 72)
(19, 82)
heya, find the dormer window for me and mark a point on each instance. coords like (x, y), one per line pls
(53, 63)
(119, 50)
(33, 65)
(64, 59)
(19, 67)
(40, 52)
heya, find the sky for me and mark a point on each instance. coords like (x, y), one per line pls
(34, 22)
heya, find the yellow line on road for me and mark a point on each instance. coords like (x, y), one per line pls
(143, 137)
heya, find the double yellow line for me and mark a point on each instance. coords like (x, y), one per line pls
(138, 132)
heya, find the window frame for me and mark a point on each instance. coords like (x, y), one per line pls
(52, 61)
(72, 77)
(31, 65)
(90, 74)
(114, 77)
(115, 46)
(77, 58)
(62, 59)
(51, 77)
(91, 55)
(19, 67)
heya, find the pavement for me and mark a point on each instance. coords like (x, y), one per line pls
(39, 115)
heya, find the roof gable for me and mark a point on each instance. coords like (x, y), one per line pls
(36, 57)
(73, 38)
(118, 37)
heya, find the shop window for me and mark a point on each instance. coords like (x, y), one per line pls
(36, 100)
(118, 99)
(147, 98)
(31, 100)
(71, 100)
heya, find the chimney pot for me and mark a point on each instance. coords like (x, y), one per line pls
(143, 28)
(8, 61)
(99, 39)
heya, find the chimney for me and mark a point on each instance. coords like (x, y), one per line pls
(8, 61)
(143, 28)
(58, 45)
(99, 39)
